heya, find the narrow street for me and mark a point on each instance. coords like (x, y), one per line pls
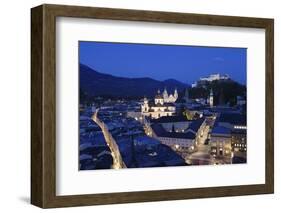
(202, 155)
(117, 158)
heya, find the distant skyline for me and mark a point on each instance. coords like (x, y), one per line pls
(161, 62)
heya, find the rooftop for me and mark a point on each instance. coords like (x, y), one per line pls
(145, 140)
(195, 125)
(161, 132)
(233, 118)
(170, 119)
(239, 131)
(220, 130)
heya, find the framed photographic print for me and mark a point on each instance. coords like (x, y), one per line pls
(136, 106)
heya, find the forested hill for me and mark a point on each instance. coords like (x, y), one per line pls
(94, 83)
(225, 91)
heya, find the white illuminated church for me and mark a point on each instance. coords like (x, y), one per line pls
(163, 105)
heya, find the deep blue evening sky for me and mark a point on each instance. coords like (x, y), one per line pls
(183, 63)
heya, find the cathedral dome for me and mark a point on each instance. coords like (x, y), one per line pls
(159, 95)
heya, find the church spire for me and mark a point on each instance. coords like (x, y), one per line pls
(165, 95)
(176, 94)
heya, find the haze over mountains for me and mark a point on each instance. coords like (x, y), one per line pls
(94, 83)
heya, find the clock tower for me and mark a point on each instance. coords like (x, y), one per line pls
(211, 98)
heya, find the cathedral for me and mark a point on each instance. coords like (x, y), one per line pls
(163, 105)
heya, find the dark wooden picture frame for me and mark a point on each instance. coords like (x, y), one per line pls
(43, 105)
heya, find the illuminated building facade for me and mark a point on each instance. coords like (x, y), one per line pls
(163, 105)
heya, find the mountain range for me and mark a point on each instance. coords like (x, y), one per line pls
(94, 83)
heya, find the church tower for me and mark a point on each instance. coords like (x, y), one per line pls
(145, 107)
(165, 95)
(211, 98)
(176, 95)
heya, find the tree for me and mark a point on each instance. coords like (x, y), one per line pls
(221, 99)
(188, 114)
(225, 91)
